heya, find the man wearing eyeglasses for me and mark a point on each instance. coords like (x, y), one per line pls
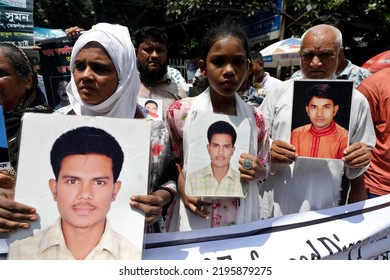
(286, 189)
(346, 70)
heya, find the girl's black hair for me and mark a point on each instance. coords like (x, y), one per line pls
(226, 29)
(87, 140)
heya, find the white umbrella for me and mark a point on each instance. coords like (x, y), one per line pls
(282, 53)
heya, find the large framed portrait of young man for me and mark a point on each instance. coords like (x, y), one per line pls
(79, 173)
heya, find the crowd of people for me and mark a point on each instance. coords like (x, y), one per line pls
(109, 74)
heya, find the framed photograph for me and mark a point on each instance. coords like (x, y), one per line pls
(76, 169)
(216, 142)
(58, 86)
(320, 117)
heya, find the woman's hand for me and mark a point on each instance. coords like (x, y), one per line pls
(74, 30)
(197, 206)
(13, 215)
(150, 204)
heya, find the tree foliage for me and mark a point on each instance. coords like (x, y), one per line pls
(365, 23)
(65, 13)
(178, 9)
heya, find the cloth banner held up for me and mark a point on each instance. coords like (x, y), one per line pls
(351, 232)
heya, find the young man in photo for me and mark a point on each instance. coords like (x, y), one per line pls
(322, 137)
(218, 178)
(86, 163)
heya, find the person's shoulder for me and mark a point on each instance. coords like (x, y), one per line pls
(275, 81)
(379, 76)
(361, 71)
(297, 75)
(341, 129)
(234, 172)
(358, 96)
(284, 86)
(178, 78)
(360, 105)
(301, 129)
(200, 170)
(125, 243)
(33, 240)
(123, 248)
(166, 80)
(183, 104)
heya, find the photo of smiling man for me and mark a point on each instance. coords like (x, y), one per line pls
(86, 163)
(323, 137)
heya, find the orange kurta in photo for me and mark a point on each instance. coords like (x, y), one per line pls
(327, 143)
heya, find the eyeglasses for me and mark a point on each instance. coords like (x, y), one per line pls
(321, 56)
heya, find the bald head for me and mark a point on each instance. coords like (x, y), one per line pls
(320, 51)
(324, 30)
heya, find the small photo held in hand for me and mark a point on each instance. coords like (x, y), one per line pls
(320, 117)
(153, 106)
(216, 142)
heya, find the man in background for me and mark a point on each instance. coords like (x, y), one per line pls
(287, 190)
(377, 91)
(152, 63)
(346, 70)
(262, 81)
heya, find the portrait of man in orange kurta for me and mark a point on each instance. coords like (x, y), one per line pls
(323, 137)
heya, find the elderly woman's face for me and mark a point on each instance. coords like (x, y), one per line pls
(95, 74)
(12, 87)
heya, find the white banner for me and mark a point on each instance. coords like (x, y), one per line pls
(356, 231)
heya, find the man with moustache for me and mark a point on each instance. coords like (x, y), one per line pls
(296, 184)
(86, 163)
(218, 178)
(61, 92)
(322, 137)
(152, 63)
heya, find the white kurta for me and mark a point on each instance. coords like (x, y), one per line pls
(309, 183)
